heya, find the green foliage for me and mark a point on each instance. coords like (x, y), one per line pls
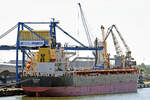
(143, 67)
(140, 68)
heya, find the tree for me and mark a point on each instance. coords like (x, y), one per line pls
(143, 65)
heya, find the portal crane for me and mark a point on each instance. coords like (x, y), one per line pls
(128, 52)
(119, 58)
(126, 60)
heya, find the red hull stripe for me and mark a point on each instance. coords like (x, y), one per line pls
(82, 90)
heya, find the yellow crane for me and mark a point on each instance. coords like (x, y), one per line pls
(106, 56)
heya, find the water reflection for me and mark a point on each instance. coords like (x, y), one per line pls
(93, 97)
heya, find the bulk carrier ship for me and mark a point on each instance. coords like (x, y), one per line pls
(50, 72)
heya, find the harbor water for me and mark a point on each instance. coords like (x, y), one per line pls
(142, 94)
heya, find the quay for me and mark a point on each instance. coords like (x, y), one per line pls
(11, 91)
(143, 85)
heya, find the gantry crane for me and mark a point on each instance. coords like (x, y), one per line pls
(24, 26)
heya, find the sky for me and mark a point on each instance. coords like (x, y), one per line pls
(130, 16)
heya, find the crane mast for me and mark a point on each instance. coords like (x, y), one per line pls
(106, 56)
(104, 41)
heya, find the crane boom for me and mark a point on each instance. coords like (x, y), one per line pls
(116, 44)
(125, 44)
(8, 31)
(108, 33)
(85, 26)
